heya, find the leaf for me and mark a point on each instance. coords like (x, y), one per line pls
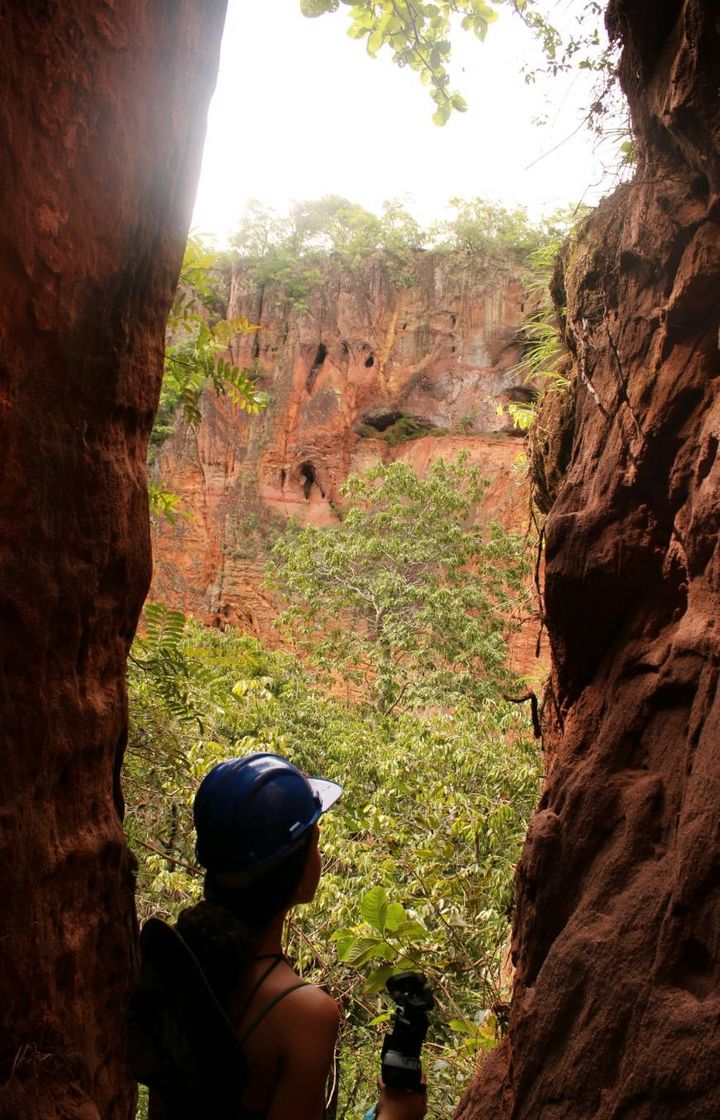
(375, 41)
(411, 931)
(343, 942)
(362, 950)
(394, 916)
(377, 980)
(374, 907)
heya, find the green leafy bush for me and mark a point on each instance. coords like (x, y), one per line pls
(419, 858)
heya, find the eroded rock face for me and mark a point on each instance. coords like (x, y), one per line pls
(616, 938)
(357, 377)
(101, 127)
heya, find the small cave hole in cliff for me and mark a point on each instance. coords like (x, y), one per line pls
(283, 476)
(320, 356)
(309, 476)
(370, 362)
(381, 420)
(393, 427)
(319, 359)
(521, 394)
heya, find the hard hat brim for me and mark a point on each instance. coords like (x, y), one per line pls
(328, 792)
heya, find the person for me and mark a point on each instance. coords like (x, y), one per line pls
(256, 820)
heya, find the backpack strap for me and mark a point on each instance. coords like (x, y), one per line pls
(244, 1035)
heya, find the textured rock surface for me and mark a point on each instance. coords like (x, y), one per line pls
(616, 1009)
(102, 117)
(440, 352)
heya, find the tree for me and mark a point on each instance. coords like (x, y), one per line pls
(417, 33)
(407, 599)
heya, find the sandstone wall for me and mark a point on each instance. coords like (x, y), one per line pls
(101, 124)
(616, 1008)
(340, 373)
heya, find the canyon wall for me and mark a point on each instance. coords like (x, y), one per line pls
(102, 118)
(365, 371)
(616, 1005)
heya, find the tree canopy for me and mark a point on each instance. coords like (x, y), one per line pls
(407, 599)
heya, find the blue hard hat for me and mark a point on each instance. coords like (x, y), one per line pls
(252, 812)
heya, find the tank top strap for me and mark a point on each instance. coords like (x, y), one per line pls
(244, 1035)
(275, 960)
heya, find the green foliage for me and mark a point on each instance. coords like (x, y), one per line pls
(438, 771)
(407, 600)
(418, 859)
(197, 339)
(295, 251)
(543, 347)
(418, 34)
(541, 336)
(164, 503)
(482, 228)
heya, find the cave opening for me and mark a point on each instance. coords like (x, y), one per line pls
(521, 394)
(370, 362)
(318, 362)
(309, 478)
(283, 476)
(382, 420)
(320, 355)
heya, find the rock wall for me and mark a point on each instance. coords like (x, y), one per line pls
(102, 117)
(616, 1003)
(351, 376)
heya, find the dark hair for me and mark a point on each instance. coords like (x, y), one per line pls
(225, 929)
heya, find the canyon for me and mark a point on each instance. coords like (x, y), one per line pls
(363, 371)
(615, 937)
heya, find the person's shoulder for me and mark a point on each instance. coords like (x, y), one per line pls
(316, 1003)
(310, 1013)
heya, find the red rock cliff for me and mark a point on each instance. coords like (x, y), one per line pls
(363, 366)
(617, 931)
(101, 126)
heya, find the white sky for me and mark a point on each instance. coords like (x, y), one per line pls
(301, 111)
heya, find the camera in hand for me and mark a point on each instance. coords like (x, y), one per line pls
(400, 1058)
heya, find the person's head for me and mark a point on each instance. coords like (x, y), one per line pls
(257, 836)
